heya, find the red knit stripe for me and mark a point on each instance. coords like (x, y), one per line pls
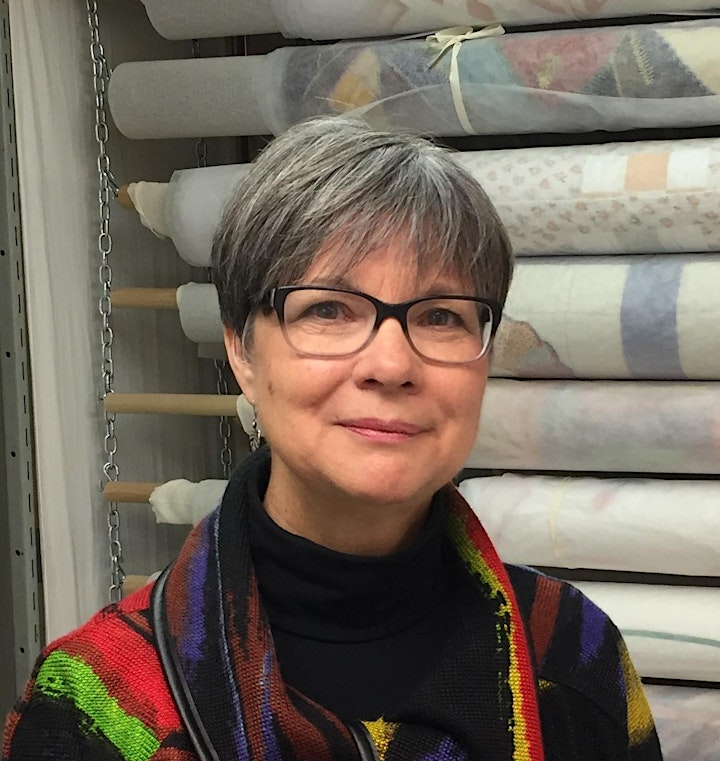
(544, 614)
(138, 683)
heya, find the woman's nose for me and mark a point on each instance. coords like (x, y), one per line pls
(388, 359)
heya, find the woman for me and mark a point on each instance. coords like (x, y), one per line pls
(343, 602)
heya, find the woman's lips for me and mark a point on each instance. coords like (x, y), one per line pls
(382, 430)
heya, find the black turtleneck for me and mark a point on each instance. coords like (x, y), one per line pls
(356, 634)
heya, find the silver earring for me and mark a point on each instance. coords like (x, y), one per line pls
(255, 433)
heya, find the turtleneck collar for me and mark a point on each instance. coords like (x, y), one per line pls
(318, 593)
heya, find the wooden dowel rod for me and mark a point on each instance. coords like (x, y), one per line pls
(124, 198)
(133, 583)
(129, 491)
(211, 405)
(145, 298)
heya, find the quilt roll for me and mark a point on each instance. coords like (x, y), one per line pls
(574, 80)
(671, 632)
(687, 721)
(643, 525)
(593, 426)
(634, 198)
(644, 317)
(330, 19)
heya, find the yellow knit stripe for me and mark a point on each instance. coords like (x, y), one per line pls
(639, 718)
(382, 733)
(476, 563)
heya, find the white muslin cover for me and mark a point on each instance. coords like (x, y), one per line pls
(149, 201)
(648, 197)
(671, 632)
(331, 19)
(600, 426)
(644, 525)
(194, 204)
(184, 502)
(200, 313)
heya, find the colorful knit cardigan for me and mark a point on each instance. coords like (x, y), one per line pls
(564, 690)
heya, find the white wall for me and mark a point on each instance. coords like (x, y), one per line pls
(57, 155)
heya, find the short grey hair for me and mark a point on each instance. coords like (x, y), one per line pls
(334, 179)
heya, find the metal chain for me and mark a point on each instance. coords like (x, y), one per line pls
(107, 189)
(225, 427)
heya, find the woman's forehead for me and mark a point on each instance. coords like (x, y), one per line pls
(395, 264)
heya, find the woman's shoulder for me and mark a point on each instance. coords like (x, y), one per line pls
(579, 650)
(103, 681)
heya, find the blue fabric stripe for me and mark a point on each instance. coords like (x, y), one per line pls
(649, 318)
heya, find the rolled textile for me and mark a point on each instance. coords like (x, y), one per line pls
(330, 19)
(642, 197)
(644, 317)
(194, 203)
(148, 199)
(611, 426)
(671, 632)
(200, 313)
(687, 721)
(615, 524)
(575, 80)
(144, 102)
(617, 78)
(188, 19)
(183, 502)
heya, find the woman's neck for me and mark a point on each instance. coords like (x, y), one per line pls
(339, 521)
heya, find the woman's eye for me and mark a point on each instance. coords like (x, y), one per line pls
(442, 318)
(326, 310)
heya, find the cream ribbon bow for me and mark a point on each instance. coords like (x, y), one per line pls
(453, 38)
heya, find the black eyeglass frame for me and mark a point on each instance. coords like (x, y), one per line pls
(276, 297)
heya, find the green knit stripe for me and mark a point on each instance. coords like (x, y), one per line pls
(63, 676)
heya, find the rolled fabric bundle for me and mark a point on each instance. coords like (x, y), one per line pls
(597, 523)
(144, 102)
(687, 721)
(200, 313)
(194, 204)
(633, 198)
(552, 81)
(612, 426)
(184, 502)
(330, 19)
(671, 632)
(188, 19)
(148, 200)
(643, 317)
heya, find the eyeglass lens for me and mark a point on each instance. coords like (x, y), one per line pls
(330, 323)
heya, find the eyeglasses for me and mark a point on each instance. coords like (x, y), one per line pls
(332, 322)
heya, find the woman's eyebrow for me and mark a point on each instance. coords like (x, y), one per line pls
(335, 281)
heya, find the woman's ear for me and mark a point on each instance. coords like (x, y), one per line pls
(239, 362)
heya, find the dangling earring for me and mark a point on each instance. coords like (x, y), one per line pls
(255, 433)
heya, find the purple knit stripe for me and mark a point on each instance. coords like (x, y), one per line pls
(592, 631)
(448, 750)
(272, 751)
(191, 646)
